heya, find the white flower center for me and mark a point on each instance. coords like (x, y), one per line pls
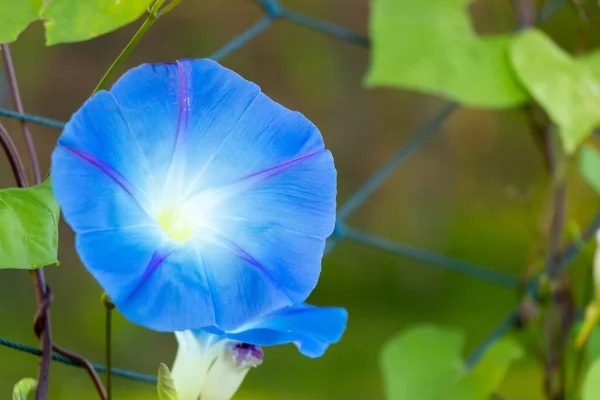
(175, 225)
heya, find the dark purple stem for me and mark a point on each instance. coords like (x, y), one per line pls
(45, 335)
(14, 90)
(526, 13)
(13, 157)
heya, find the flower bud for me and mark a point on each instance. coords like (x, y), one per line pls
(228, 372)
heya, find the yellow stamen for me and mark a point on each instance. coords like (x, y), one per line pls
(175, 224)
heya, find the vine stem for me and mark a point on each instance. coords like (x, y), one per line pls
(38, 275)
(560, 312)
(526, 13)
(14, 90)
(13, 157)
(109, 305)
(151, 16)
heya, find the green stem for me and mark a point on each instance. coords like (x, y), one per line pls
(150, 19)
(108, 304)
(169, 7)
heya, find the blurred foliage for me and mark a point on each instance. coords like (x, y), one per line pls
(15, 16)
(567, 88)
(589, 164)
(591, 387)
(68, 20)
(475, 192)
(430, 45)
(425, 362)
(75, 20)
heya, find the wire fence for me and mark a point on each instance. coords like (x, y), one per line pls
(274, 11)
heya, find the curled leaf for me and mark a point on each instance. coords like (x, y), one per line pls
(166, 386)
(23, 388)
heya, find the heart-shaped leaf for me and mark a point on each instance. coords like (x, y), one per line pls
(23, 388)
(488, 374)
(429, 45)
(567, 88)
(15, 16)
(166, 386)
(28, 227)
(425, 363)
(77, 20)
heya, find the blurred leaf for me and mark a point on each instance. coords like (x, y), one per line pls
(567, 88)
(22, 389)
(429, 45)
(488, 374)
(15, 16)
(418, 357)
(591, 386)
(590, 321)
(425, 363)
(589, 166)
(166, 386)
(77, 20)
(28, 227)
(593, 344)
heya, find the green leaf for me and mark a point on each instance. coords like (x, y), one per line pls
(166, 386)
(418, 357)
(77, 20)
(488, 374)
(591, 385)
(589, 166)
(28, 227)
(425, 363)
(15, 16)
(593, 344)
(429, 45)
(23, 388)
(567, 88)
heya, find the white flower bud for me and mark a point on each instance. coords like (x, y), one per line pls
(228, 372)
(193, 361)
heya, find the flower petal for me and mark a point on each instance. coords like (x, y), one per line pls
(181, 112)
(265, 135)
(174, 296)
(274, 236)
(92, 195)
(299, 199)
(165, 135)
(311, 329)
(152, 282)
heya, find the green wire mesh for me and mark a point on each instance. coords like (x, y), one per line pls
(274, 11)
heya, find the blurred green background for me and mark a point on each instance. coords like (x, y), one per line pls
(475, 191)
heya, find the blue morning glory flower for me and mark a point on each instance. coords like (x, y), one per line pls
(196, 199)
(213, 364)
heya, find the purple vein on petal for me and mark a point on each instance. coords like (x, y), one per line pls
(249, 259)
(156, 261)
(113, 175)
(271, 171)
(175, 165)
(184, 108)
